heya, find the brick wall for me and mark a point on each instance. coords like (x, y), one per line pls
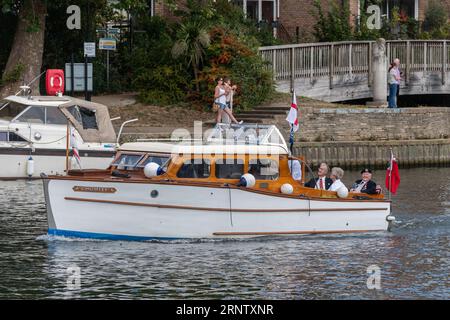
(299, 13)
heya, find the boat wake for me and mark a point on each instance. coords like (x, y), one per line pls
(442, 220)
(51, 238)
(306, 237)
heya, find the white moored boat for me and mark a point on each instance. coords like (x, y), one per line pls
(33, 135)
(213, 190)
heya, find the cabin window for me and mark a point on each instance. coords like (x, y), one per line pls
(33, 115)
(264, 169)
(229, 168)
(127, 161)
(10, 136)
(156, 159)
(195, 168)
(84, 116)
(15, 137)
(10, 110)
(55, 116)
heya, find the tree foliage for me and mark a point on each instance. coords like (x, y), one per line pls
(167, 60)
(338, 24)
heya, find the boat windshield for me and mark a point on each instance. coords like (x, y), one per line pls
(10, 110)
(127, 161)
(14, 111)
(246, 134)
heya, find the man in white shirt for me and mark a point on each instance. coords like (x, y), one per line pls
(296, 169)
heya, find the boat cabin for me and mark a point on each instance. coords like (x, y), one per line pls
(216, 161)
(43, 120)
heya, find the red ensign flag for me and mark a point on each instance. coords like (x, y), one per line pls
(392, 176)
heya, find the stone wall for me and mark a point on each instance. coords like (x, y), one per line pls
(375, 154)
(370, 124)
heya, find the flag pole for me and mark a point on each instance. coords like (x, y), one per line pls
(390, 174)
(67, 148)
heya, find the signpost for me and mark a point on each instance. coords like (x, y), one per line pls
(89, 49)
(108, 43)
(75, 77)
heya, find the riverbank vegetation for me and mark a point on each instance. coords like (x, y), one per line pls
(168, 60)
(336, 23)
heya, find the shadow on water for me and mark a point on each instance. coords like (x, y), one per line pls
(413, 259)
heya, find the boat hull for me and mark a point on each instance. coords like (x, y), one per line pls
(141, 211)
(14, 166)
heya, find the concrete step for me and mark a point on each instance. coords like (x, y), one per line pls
(264, 111)
(255, 116)
(272, 108)
(253, 120)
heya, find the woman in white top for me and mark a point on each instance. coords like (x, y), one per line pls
(220, 98)
(230, 89)
(394, 83)
(336, 175)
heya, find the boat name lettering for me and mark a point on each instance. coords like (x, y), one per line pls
(94, 189)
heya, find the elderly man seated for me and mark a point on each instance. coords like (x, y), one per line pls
(323, 182)
(366, 185)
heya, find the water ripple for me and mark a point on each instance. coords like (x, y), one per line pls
(413, 259)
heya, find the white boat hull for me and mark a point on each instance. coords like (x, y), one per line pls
(121, 210)
(14, 166)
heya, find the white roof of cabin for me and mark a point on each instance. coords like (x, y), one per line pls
(231, 149)
(48, 101)
(159, 147)
(202, 149)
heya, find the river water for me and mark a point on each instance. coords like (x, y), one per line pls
(413, 259)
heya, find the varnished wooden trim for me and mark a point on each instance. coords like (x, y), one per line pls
(290, 232)
(140, 204)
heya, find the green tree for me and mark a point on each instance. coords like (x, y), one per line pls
(334, 25)
(25, 57)
(192, 38)
(436, 20)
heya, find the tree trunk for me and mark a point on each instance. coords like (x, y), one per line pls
(27, 49)
(197, 87)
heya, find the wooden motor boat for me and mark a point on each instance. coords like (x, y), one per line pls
(240, 187)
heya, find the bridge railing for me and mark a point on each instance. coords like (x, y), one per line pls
(330, 59)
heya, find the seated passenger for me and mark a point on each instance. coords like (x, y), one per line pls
(322, 182)
(365, 185)
(336, 175)
(296, 169)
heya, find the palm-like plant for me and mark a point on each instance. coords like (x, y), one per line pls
(192, 39)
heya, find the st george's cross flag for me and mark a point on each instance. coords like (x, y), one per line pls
(392, 175)
(74, 146)
(292, 118)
